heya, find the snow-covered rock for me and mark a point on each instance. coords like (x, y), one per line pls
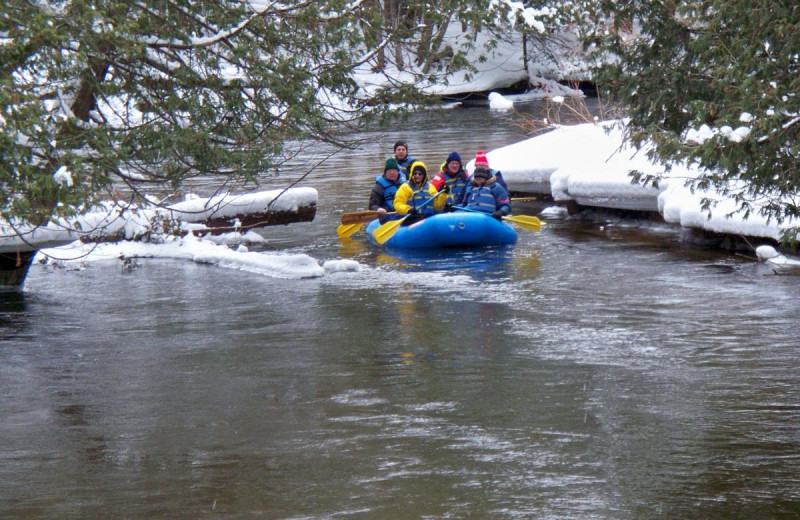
(769, 255)
(498, 102)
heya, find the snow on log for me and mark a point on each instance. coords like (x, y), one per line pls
(200, 216)
(224, 214)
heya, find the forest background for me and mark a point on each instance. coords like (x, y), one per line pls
(102, 95)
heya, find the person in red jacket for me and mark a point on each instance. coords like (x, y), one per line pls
(452, 179)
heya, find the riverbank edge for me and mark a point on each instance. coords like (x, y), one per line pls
(739, 244)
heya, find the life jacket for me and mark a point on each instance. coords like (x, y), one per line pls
(389, 190)
(420, 197)
(404, 165)
(498, 176)
(480, 198)
(458, 185)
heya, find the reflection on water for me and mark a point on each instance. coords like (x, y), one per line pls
(12, 307)
(349, 248)
(581, 373)
(526, 266)
(480, 262)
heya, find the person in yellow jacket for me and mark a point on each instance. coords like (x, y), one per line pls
(413, 196)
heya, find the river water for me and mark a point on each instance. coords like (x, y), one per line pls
(593, 370)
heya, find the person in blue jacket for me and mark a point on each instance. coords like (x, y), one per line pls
(485, 194)
(381, 199)
(482, 160)
(404, 160)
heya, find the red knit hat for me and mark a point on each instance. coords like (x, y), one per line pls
(481, 160)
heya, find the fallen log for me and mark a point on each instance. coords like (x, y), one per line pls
(215, 215)
(244, 222)
(13, 269)
(20, 241)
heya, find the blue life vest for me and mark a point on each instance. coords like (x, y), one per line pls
(457, 186)
(404, 165)
(481, 199)
(389, 190)
(420, 197)
(498, 178)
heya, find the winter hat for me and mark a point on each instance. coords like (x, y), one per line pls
(482, 172)
(453, 157)
(481, 160)
(400, 143)
(391, 164)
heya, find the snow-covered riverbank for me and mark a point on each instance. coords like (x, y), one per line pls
(590, 164)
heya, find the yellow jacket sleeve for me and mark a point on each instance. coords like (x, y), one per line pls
(404, 193)
(438, 203)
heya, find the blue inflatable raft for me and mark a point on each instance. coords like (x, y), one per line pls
(457, 229)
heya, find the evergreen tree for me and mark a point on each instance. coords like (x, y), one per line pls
(731, 65)
(102, 94)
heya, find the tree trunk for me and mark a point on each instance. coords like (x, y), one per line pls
(434, 44)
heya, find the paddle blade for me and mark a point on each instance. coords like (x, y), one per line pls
(386, 231)
(526, 222)
(346, 230)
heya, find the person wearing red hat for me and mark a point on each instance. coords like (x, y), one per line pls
(484, 193)
(481, 161)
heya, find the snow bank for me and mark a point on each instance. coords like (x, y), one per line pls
(190, 248)
(136, 221)
(590, 164)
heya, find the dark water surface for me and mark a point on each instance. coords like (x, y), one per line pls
(587, 372)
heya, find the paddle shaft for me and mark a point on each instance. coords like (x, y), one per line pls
(528, 222)
(387, 230)
(462, 208)
(356, 217)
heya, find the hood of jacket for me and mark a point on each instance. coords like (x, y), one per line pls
(491, 180)
(411, 168)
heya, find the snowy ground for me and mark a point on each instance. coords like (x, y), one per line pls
(589, 164)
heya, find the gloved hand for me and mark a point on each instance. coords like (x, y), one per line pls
(412, 211)
(498, 214)
(446, 189)
(448, 207)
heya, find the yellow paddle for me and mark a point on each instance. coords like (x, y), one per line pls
(386, 231)
(346, 230)
(524, 221)
(352, 222)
